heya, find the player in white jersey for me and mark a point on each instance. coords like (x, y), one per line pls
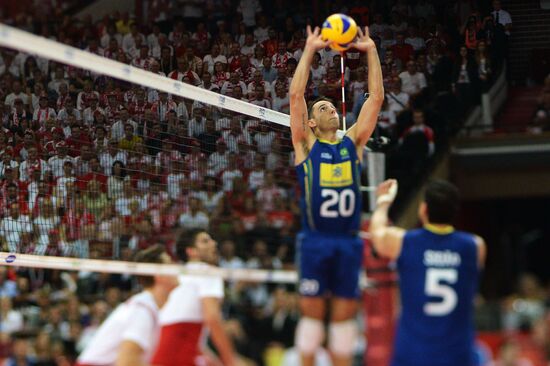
(193, 304)
(128, 337)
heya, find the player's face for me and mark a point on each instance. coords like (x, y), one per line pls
(206, 248)
(325, 115)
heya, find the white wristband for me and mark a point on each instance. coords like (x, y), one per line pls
(388, 197)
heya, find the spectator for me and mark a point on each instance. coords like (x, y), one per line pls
(510, 355)
(401, 50)
(230, 173)
(11, 320)
(249, 10)
(14, 227)
(194, 218)
(418, 140)
(115, 182)
(415, 40)
(466, 79)
(268, 192)
(412, 81)
(228, 258)
(129, 141)
(219, 160)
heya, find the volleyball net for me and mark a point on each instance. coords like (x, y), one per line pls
(104, 156)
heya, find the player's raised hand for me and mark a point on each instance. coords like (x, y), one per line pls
(314, 41)
(363, 42)
(386, 191)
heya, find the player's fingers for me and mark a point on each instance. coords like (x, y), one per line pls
(316, 31)
(367, 32)
(308, 30)
(359, 33)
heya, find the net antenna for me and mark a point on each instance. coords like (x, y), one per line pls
(344, 124)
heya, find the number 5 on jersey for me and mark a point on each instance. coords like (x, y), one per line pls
(437, 284)
(337, 204)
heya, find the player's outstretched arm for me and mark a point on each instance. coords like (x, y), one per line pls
(368, 116)
(214, 322)
(387, 240)
(302, 135)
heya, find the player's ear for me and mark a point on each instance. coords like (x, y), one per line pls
(312, 123)
(191, 253)
(423, 212)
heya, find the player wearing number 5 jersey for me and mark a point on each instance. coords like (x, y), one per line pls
(438, 275)
(329, 250)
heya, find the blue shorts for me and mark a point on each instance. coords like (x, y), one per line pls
(329, 264)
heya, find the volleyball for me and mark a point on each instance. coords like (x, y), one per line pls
(340, 29)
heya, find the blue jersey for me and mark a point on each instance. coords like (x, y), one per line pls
(438, 274)
(331, 194)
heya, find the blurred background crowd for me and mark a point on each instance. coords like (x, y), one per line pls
(93, 167)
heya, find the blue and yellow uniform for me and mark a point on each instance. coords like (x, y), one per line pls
(329, 251)
(438, 274)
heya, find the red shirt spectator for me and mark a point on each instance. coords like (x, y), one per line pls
(401, 50)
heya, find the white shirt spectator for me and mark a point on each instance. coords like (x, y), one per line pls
(11, 322)
(208, 202)
(412, 84)
(265, 197)
(43, 114)
(318, 74)
(106, 38)
(64, 114)
(135, 320)
(10, 98)
(27, 166)
(129, 43)
(12, 229)
(199, 220)
(106, 160)
(197, 126)
(211, 61)
(248, 9)
(227, 178)
(43, 225)
(281, 104)
(264, 140)
(174, 183)
(218, 162)
(56, 164)
(417, 43)
(397, 102)
(504, 18)
(261, 34)
(256, 179)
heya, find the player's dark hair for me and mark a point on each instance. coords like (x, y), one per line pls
(152, 254)
(187, 239)
(443, 201)
(311, 104)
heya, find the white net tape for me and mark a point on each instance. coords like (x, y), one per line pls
(109, 266)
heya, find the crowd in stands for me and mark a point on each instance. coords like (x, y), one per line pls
(93, 167)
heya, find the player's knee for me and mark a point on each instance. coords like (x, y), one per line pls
(310, 334)
(342, 337)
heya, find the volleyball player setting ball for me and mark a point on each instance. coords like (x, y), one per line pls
(330, 251)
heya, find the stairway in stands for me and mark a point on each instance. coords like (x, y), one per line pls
(518, 111)
(530, 35)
